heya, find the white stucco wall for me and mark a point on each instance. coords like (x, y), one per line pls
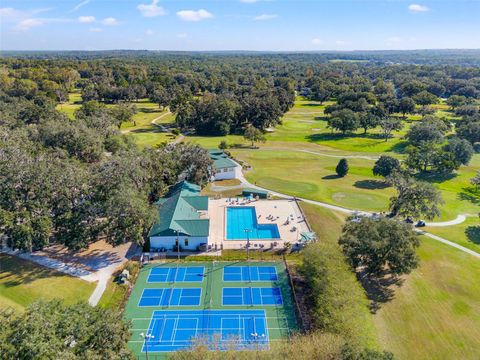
(231, 173)
(168, 242)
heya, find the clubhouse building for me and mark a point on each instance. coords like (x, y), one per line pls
(183, 215)
(225, 168)
(200, 223)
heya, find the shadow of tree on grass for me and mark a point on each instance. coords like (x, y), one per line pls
(331, 177)
(471, 194)
(371, 184)
(21, 272)
(380, 290)
(435, 177)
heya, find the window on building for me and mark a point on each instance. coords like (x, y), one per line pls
(186, 242)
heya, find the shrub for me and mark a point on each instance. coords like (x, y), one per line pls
(342, 168)
(223, 145)
(385, 165)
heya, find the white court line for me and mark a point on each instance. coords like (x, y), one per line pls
(150, 297)
(174, 330)
(251, 294)
(170, 297)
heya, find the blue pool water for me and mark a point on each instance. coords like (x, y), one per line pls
(241, 218)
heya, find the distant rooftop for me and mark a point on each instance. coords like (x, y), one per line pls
(180, 211)
(220, 159)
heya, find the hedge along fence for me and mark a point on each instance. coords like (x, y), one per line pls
(298, 311)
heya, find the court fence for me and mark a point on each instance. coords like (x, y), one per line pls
(303, 214)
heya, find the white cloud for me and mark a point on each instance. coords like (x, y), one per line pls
(149, 32)
(182, 35)
(264, 17)
(4, 12)
(86, 19)
(248, 1)
(341, 42)
(317, 41)
(13, 14)
(416, 8)
(194, 15)
(110, 21)
(27, 24)
(80, 4)
(95, 29)
(151, 10)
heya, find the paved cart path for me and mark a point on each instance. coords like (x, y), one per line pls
(456, 221)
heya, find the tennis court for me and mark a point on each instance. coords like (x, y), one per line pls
(176, 274)
(250, 273)
(170, 297)
(213, 304)
(176, 330)
(249, 296)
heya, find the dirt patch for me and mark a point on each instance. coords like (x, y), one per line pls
(98, 255)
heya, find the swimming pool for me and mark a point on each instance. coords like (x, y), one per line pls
(241, 218)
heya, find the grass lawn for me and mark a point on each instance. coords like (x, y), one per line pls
(285, 171)
(146, 112)
(113, 296)
(207, 191)
(458, 233)
(229, 182)
(306, 122)
(74, 102)
(436, 313)
(22, 282)
(143, 131)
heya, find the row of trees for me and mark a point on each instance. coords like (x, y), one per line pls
(413, 199)
(227, 113)
(53, 330)
(241, 90)
(430, 150)
(72, 181)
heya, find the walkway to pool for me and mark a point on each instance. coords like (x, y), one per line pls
(284, 213)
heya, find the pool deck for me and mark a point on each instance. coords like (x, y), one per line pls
(279, 209)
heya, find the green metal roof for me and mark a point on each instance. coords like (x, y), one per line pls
(220, 159)
(199, 227)
(255, 191)
(179, 211)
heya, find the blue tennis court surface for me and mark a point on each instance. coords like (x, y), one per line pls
(176, 274)
(249, 273)
(176, 330)
(241, 218)
(251, 296)
(170, 297)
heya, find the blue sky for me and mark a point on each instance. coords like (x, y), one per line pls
(278, 25)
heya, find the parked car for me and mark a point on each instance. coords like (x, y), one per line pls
(409, 220)
(420, 223)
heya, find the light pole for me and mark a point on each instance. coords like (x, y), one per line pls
(248, 243)
(146, 337)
